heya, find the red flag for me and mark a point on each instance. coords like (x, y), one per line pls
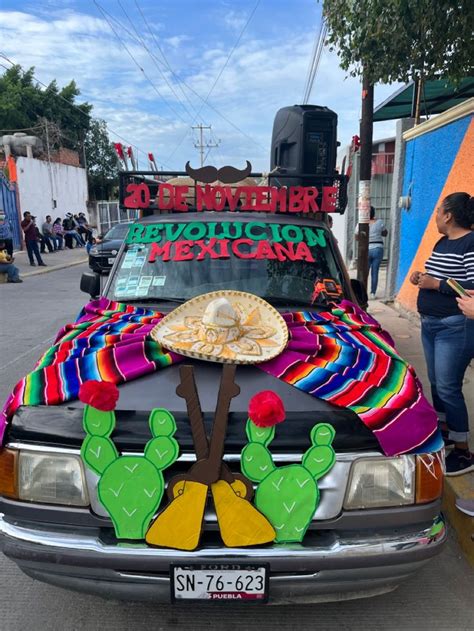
(119, 149)
(151, 157)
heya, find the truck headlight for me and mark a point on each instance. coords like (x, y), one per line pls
(51, 478)
(378, 482)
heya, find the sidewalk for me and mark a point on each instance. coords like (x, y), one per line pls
(406, 334)
(54, 261)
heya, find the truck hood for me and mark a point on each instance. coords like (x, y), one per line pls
(62, 425)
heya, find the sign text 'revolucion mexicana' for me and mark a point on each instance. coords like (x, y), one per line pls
(216, 240)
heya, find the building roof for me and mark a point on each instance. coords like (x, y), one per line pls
(437, 96)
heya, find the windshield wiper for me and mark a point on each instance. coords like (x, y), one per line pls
(279, 300)
(153, 299)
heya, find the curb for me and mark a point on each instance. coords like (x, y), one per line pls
(463, 525)
(53, 268)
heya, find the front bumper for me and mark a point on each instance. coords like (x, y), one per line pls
(100, 264)
(330, 565)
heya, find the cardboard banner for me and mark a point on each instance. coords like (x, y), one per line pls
(253, 240)
(269, 199)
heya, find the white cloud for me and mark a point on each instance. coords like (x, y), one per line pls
(235, 20)
(262, 76)
(176, 40)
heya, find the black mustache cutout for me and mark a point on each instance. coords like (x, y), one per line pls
(227, 174)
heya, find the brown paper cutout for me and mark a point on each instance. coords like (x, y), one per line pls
(179, 525)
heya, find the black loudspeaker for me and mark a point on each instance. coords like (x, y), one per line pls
(304, 141)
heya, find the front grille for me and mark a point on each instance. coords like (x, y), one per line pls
(332, 486)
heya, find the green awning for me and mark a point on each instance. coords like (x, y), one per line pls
(436, 97)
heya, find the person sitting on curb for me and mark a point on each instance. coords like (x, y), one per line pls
(70, 229)
(49, 239)
(83, 227)
(7, 267)
(58, 233)
(6, 232)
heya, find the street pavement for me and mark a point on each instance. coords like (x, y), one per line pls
(54, 261)
(438, 598)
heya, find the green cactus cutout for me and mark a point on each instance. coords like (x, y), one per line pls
(130, 487)
(288, 496)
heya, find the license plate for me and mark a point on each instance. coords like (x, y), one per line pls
(111, 261)
(219, 582)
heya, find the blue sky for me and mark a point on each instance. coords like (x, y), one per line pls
(73, 39)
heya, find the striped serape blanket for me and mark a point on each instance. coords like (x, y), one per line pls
(344, 356)
(341, 355)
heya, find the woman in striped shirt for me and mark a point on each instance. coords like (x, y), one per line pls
(447, 335)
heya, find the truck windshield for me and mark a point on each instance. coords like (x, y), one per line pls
(283, 263)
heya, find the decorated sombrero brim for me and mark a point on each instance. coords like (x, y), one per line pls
(224, 326)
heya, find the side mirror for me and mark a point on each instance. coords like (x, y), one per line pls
(360, 293)
(90, 284)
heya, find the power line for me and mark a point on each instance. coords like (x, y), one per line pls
(201, 145)
(181, 81)
(142, 41)
(115, 133)
(163, 55)
(219, 75)
(314, 60)
(13, 131)
(172, 108)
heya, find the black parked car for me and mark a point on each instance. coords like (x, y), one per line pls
(102, 255)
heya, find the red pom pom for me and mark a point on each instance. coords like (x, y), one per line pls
(102, 395)
(266, 409)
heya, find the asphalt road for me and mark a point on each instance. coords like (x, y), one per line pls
(439, 597)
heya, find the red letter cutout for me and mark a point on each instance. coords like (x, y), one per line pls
(328, 203)
(157, 250)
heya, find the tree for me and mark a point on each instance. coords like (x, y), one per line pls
(102, 163)
(402, 40)
(397, 40)
(25, 105)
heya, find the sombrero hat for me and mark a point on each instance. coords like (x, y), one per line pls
(224, 326)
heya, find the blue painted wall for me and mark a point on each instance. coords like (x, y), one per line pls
(8, 203)
(428, 161)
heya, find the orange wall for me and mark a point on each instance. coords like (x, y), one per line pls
(460, 178)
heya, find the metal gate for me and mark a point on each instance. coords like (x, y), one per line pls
(8, 204)
(109, 214)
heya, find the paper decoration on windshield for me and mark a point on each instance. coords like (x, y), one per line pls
(130, 487)
(159, 281)
(288, 496)
(179, 525)
(224, 326)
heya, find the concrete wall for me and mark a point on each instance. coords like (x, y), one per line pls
(439, 160)
(51, 188)
(395, 210)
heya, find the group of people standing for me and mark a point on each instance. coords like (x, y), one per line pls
(54, 236)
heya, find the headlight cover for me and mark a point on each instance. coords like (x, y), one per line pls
(381, 482)
(94, 251)
(51, 478)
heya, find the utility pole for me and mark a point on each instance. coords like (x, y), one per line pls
(201, 145)
(366, 129)
(46, 128)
